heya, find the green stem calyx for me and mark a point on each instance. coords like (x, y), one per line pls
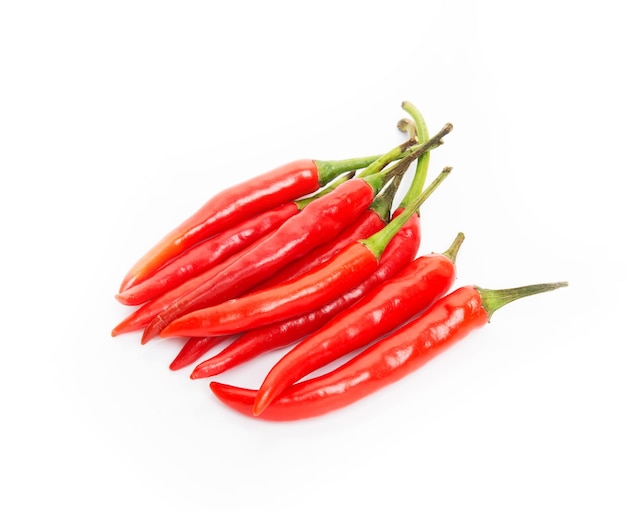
(328, 170)
(494, 299)
(453, 250)
(379, 241)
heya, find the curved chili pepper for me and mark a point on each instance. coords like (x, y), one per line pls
(447, 321)
(237, 203)
(371, 221)
(318, 223)
(399, 253)
(141, 317)
(306, 293)
(392, 303)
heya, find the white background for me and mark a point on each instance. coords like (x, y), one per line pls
(119, 119)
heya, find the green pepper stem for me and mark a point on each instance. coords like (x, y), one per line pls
(383, 202)
(380, 179)
(379, 241)
(493, 299)
(453, 250)
(408, 149)
(330, 169)
(419, 178)
(397, 153)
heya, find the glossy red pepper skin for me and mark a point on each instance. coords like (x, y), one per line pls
(227, 208)
(144, 315)
(258, 228)
(263, 192)
(204, 255)
(369, 222)
(395, 301)
(398, 254)
(194, 348)
(446, 322)
(317, 223)
(298, 296)
(303, 294)
(366, 225)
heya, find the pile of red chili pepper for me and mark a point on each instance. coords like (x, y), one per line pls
(318, 259)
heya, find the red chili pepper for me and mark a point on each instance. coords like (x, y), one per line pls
(237, 203)
(306, 293)
(142, 317)
(316, 224)
(394, 302)
(398, 254)
(261, 339)
(386, 361)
